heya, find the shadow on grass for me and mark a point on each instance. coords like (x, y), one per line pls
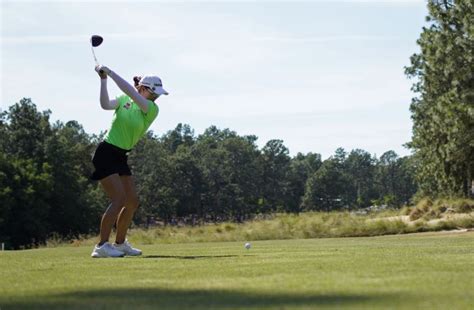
(188, 256)
(161, 298)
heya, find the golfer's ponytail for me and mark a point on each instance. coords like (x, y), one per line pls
(136, 80)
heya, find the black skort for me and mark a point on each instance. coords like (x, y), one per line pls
(109, 159)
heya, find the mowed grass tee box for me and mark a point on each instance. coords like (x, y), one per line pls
(428, 270)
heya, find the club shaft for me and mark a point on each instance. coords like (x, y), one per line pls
(95, 58)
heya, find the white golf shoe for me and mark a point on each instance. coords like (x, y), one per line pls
(106, 250)
(126, 248)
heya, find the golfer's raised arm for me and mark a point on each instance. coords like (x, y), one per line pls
(105, 103)
(130, 91)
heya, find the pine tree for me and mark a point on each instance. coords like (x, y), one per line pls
(443, 111)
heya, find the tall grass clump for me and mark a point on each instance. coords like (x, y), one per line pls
(428, 209)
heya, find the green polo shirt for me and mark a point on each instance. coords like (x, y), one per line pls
(130, 123)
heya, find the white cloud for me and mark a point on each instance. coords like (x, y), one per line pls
(315, 39)
(77, 38)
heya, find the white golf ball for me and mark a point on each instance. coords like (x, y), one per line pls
(247, 245)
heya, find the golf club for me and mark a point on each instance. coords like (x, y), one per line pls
(96, 40)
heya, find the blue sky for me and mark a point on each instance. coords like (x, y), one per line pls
(317, 74)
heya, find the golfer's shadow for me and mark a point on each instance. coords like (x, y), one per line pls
(190, 256)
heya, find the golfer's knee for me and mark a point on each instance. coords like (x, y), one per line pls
(118, 201)
(132, 203)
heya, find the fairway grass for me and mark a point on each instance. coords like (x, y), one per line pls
(428, 270)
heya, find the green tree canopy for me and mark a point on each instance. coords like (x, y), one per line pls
(443, 111)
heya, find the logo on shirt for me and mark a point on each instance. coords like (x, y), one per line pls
(127, 105)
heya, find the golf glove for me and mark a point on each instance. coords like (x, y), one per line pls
(104, 69)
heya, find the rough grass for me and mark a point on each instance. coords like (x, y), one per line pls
(425, 216)
(417, 271)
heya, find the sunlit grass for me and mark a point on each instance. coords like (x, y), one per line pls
(422, 271)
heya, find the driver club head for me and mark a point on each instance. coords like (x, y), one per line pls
(96, 40)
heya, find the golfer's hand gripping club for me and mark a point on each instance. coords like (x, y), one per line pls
(103, 71)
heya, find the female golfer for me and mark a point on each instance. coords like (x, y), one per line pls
(134, 113)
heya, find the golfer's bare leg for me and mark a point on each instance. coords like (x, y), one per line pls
(113, 187)
(126, 214)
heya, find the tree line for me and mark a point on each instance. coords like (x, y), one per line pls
(217, 175)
